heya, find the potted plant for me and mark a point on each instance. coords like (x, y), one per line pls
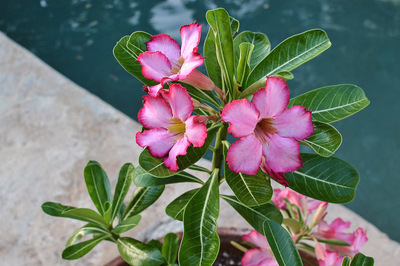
(187, 113)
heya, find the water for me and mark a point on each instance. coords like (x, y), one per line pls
(76, 38)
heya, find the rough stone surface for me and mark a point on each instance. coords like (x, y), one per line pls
(49, 129)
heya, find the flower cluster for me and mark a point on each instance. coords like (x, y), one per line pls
(331, 242)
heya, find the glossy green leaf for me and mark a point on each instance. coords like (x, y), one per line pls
(281, 244)
(260, 42)
(290, 54)
(234, 25)
(81, 249)
(346, 261)
(219, 21)
(362, 260)
(142, 198)
(139, 254)
(199, 168)
(177, 207)
(326, 179)
(155, 243)
(332, 103)
(127, 50)
(107, 213)
(251, 190)
(325, 139)
(286, 75)
(143, 179)
(82, 214)
(200, 241)
(121, 189)
(214, 71)
(243, 69)
(127, 224)
(335, 242)
(155, 166)
(83, 231)
(293, 224)
(170, 248)
(98, 185)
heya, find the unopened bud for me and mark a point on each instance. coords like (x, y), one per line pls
(319, 214)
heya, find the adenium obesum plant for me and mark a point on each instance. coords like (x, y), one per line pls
(186, 113)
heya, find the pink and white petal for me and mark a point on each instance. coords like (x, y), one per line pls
(255, 256)
(244, 155)
(360, 240)
(180, 148)
(331, 259)
(153, 90)
(155, 65)
(166, 45)
(179, 100)
(282, 154)
(243, 117)
(294, 122)
(155, 112)
(257, 239)
(196, 131)
(157, 140)
(190, 64)
(274, 175)
(190, 35)
(273, 99)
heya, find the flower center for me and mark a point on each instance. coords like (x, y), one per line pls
(264, 128)
(177, 68)
(176, 126)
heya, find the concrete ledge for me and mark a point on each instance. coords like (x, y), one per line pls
(49, 129)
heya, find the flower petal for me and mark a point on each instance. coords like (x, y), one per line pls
(155, 65)
(179, 100)
(360, 240)
(153, 90)
(273, 99)
(157, 140)
(294, 122)
(196, 131)
(166, 45)
(179, 148)
(242, 116)
(275, 175)
(190, 35)
(257, 239)
(244, 155)
(282, 154)
(155, 112)
(190, 64)
(258, 257)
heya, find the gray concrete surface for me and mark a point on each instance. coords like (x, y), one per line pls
(49, 129)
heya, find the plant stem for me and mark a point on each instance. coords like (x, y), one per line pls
(218, 156)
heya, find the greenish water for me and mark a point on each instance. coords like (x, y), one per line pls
(76, 38)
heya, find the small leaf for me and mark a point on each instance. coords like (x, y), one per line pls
(199, 168)
(286, 75)
(326, 179)
(121, 189)
(336, 242)
(155, 243)
(362, 260)
(83, 231)
(107, 213)
(243, 68)
(142, 198)
(143, 179)
(98, 185)
(139, 254)
(325, 139)
(292, 224)
(200, 241)
(155, 166)
(127, 224)
(346, 261)
(234, 25)
(170, 248)
(332, 103)
(177, 207)
(81, 249)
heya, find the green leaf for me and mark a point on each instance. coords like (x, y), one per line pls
(251, 190)
(170, 248)
(155, 166)
(281, 244)
(155, 243)
(142, 198)
(255, 216)
(107, 213)
(82, 214)
(214, 71)
(201, 95)
(139, 254)
(292, 224)
(346, 261)
(98, 185)
(127, 50)
(177, 207)
(121, 189)
(234, 25)
(143, 179)
(200, 241)
(325, 139)
(199, 168)
(219, 21)
(243, 68)
(83, 231)
(286, 75)
(127, 224)
(261, 44)
(326, 179)
(362, 260)
(290, 54)
(332, 103)
(81, 249)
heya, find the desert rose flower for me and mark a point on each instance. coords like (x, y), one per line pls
(261, 256)
(331, 259)
(172, 128)
(268, 132)
(304, 203)
(165, 61)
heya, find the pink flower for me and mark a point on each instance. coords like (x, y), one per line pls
(261, 256)
(331, 259)
(172, 128)
(165, 61)
(268, 132)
